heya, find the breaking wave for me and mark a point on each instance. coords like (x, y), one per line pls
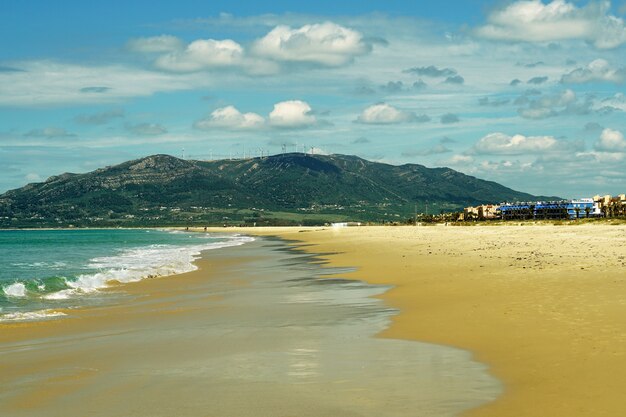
(136, 264)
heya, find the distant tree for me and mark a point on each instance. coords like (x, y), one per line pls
(587, 211)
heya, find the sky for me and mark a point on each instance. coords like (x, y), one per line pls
(529, 93)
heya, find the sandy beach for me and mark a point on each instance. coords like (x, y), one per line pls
(542, 306)
(259, 330)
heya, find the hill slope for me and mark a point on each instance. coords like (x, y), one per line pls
(162, 189)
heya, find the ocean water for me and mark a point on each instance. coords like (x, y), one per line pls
(44, 271)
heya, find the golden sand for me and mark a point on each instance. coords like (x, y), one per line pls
(543, 306)
(252, 333)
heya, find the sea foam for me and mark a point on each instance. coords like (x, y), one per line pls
(16, 289)
(133, 265)
(30, 315)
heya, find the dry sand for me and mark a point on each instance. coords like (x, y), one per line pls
(252, 333)
(543, 306)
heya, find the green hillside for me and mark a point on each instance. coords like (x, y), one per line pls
(290, 188)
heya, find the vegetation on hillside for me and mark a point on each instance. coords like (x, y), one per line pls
(293, 188)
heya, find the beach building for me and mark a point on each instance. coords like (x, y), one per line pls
(517, 211)
(545, 210)
(470, 213)
(609, 206)
(582, 208)
(482, 212)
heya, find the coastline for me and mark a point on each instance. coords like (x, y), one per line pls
(542, 306)
(254, 321)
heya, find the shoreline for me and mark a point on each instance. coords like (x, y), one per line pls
(541, 306)
(167, 327)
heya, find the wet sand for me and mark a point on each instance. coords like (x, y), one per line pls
(255, 332)
(543, 306)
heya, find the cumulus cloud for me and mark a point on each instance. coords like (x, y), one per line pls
(449, 118)
(326, 44)
(419, 85)
(393, 87)
(146, 129)
(564, 103)
(616, 102)
(611, 141)
(431, 71)
(503, 144)
(230, 118)
(155, 44)
(384, 114)
(456, 79)
(292, 114)
(99, 118)
(537, 80)
(596, 71)
(49, 133)
(534, 21)
(202, 54)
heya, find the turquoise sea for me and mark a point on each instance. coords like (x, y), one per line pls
(41, 271)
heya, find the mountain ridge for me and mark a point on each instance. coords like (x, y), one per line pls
(162, 189)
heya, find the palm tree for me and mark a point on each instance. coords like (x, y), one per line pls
(587, 211)
(577, 211)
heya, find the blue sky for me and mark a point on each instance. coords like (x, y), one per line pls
(526, 93)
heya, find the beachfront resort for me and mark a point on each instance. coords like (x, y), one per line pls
(597, 206)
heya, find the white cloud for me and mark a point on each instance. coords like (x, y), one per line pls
(49, 82)
(230, 118)
(617, 102)
(598, 70)
(202, 54)
(503, 144)
(534, 21)
(326, 44)
(504, 166)
(457, 160)
(292, 114)
(163, 43)
(563, 103)
(32, 177)
(611, 141)
(384, 113)
(49, 132)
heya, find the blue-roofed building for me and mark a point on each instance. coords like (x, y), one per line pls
(546, 210)
(517, 211)
(581, 208)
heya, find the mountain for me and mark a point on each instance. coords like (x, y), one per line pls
(279, 189)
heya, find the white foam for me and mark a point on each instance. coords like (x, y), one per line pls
(16, 289)
(59, 295)
(136, 264)
(31, 315)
